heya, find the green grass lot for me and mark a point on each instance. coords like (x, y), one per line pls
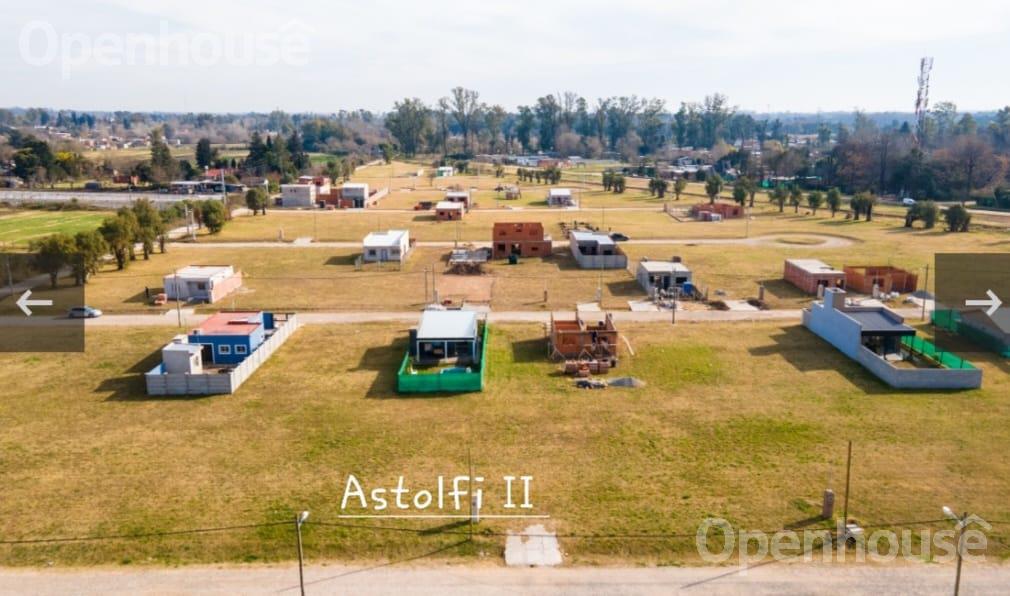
(743, 421)
(20, 227)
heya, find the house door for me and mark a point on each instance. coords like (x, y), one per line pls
(383, 255)
(207, 353)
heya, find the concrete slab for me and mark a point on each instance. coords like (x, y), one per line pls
(533, 547)
(741, 306)
(588, 307)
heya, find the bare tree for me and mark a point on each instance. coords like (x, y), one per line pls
(466, 111)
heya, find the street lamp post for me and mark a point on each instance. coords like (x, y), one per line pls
(960, 523)
(299, 520)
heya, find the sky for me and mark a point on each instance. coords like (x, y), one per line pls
(324, 56)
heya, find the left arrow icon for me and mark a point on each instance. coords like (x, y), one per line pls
(23, 303)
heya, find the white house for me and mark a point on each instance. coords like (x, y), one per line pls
(298, 195)
(444, 171)
(199, 283)
(391, 245)
(654, 276)
(560, 197)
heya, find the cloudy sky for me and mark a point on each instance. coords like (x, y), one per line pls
(326, 55)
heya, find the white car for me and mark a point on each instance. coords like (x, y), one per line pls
(83, 312)
(908, 201)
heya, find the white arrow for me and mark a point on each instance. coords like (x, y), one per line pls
(993, 303)
(23, 303)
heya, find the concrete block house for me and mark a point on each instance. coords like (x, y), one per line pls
(523, 239)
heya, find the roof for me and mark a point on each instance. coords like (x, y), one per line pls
(181, 347)
(597, 237)
(448, 205)
(231, 323)
(447, 324)
(560, 191)
(663, 267)
(360, 185)
(387, 238)
(814, 266)
(202, 271)
(880, 320)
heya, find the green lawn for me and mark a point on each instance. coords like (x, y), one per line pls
(20, 227)
(744, 421)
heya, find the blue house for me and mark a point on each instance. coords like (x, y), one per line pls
(229, 337)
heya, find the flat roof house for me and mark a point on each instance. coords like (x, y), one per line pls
(449, 211)
(202, 283)
(886, 279)
(879, 339)
(655, 276)
(523, 239)
(298, 195)
(391, 245)
(458, 196)
(220, 354)
(444, 171)
(810, 275)
(445, 354)
(355, 193)
(322, 183)
(595, 250)
(560, 197)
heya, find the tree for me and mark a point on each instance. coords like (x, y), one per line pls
(779, 196)
(749, 186)
(927, 211)
(739, 194)
(713, 186)
(91, 250)
(163, 165)
(118, 233)
(958, 218)
(212, 214)
(387, 152)
(205, 154)
(256, 200)
(970, 162)
(834, 200)
(52, 254)
(409, 122)
(815, 200)
(658, 186)
(466, 112)
(795, 197)
(150, 225)
(863, 204)
(679, 186)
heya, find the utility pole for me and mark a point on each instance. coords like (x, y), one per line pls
(925, 290)
(10, 274)
(299, 520)
(848, 476)
(178, 301)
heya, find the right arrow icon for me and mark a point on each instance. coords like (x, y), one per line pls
(993, 302)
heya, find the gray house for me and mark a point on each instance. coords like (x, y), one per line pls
(878, 338)
(595, 250)
(654, 276)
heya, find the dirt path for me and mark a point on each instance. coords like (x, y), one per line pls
(437, 580)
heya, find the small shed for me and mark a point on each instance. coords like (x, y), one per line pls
(810, 275)
(446, 335)
(391, 245)
(448, 211)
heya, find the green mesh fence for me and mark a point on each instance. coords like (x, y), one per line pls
(918, 345)
(452, 382)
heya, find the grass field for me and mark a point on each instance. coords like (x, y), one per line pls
(22, 226)
(745, 421)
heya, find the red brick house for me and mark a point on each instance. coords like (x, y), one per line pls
(525, 239)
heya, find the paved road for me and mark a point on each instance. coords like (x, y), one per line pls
(827, 241)
(170, 318)
(775, 579)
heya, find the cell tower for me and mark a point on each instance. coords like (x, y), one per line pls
(922, 98)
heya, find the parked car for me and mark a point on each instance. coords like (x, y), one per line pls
(908, 201)
(83, 312)
(618, 237)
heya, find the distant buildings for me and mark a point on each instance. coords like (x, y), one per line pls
(595, 250)
(202, 283)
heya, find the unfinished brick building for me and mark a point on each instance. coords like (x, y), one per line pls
(523, 239)
(862, 278)
(572, 339)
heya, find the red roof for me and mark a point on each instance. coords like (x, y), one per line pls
(230, 323)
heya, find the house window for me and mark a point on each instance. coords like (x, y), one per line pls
(201, 285)
(241, 349)
(224, 349)
(371, 252)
